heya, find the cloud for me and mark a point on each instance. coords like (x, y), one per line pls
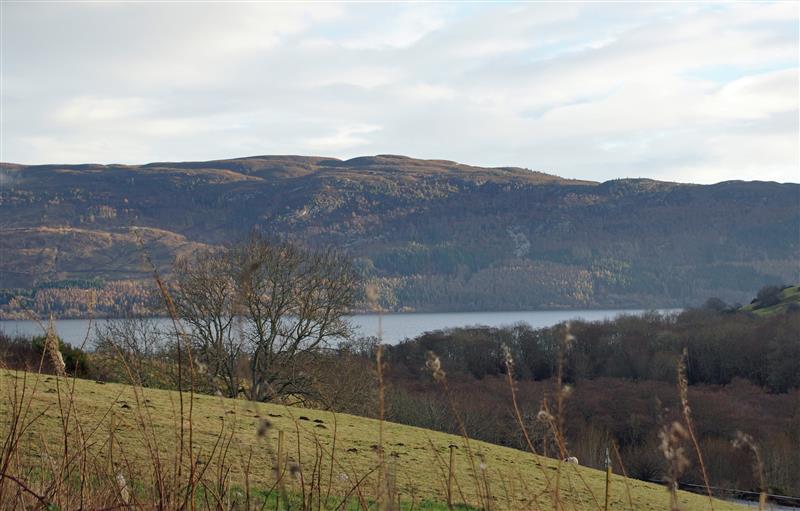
(428, 92)
(757, 96)
(699, 92)
(382, 27)
(345, 137)
(84, 109)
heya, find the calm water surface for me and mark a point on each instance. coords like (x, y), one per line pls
(396, 327)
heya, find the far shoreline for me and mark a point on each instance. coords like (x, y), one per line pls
(398, 312)
(394, 327)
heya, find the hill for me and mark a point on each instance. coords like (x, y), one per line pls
(773, 300)
(129, 424)
(435, 235)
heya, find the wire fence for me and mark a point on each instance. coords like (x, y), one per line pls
(784, 501)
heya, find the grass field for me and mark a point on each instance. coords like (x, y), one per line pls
(235, 446)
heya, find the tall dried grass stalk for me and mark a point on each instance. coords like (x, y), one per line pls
(624, 475)
(434, 364)
(51, 348)
(509, 361)
(672, 438)
(182, 340)
(745, 441)
(683, 385)
(383, 489)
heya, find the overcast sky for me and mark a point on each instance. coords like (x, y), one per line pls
(698, 92)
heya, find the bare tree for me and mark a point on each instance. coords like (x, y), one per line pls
(344, 379)
(206, 298)
(135, 342)
(295, 301)
(271, 306)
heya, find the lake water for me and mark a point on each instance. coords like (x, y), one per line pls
(396, 327)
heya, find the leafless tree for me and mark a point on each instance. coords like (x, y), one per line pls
(134, 340)
(295, 301)
(345, 380)
(269, 305)
(207, 299)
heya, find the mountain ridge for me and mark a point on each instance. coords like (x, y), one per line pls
(434, 234)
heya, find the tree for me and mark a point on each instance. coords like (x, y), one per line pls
(263, 310)
(294, 302)
(130, 345)
(344, 379)
(768, 296)
(207, 299)
(715, 304)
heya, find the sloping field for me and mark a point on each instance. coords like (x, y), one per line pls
(124, 425)
(789, 297)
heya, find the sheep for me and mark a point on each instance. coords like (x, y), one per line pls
(571, 459)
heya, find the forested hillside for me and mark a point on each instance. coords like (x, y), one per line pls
(434, 235)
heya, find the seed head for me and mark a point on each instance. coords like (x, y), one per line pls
(509, 357)
(670, 446)
(51, 347)
(122, 486)
(372, 294)
(742, 441)
(435, 366)
(569, 339)
(683, 383)
(544, 416)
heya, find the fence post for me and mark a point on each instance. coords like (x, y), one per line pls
(608, 478)
(279, 467)
(451, 476)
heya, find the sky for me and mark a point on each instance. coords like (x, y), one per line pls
(690, 92)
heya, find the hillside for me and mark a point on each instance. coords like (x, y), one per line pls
(781, 301)
(436, 235)
(417, 456)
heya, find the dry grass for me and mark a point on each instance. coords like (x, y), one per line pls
(94, 436)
